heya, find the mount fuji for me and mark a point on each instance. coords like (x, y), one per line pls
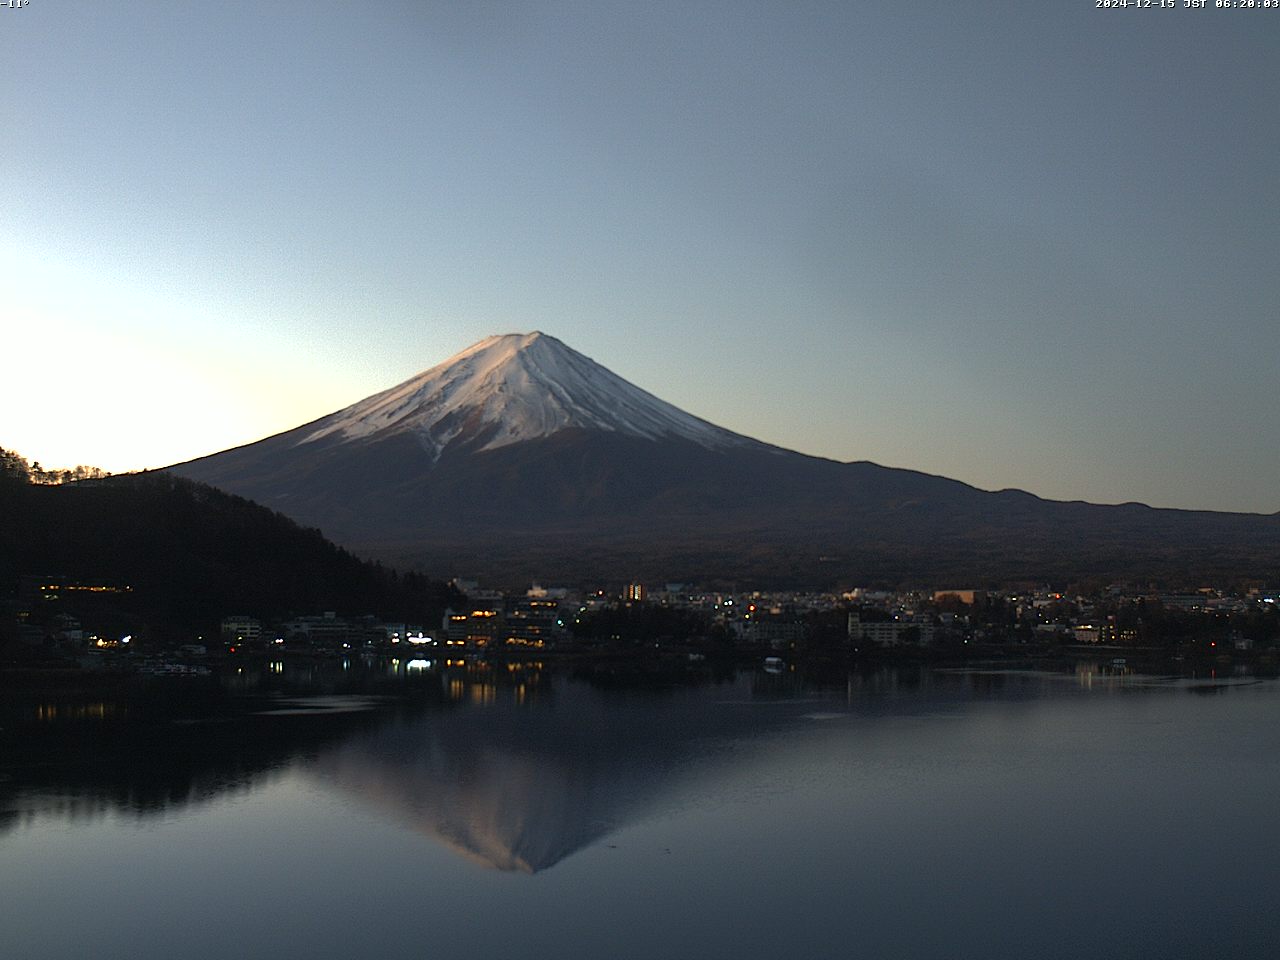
(508, 389)
(521, 458)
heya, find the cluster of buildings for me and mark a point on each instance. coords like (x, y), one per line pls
(545, 617)
(535, 619)
(490, 619)
(541, 617)
(1118, 616)
(40, 613)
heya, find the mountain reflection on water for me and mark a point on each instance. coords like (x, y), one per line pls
(514, 768)
(525, 781)
(471, 812)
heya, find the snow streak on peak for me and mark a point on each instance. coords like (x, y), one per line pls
(515, 387)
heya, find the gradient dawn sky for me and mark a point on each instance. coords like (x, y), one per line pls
(1027, 245)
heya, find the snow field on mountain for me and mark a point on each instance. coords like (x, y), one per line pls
(516, 387)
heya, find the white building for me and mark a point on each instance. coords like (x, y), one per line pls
(892, 633)
(241, 629)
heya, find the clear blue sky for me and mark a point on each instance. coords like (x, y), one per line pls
(1020, 244)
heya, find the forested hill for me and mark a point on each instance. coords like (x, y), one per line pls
(193, 554)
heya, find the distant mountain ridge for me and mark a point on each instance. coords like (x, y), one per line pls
(520, 458)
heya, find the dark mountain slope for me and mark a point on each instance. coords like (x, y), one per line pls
(430, 473)
(193, 554)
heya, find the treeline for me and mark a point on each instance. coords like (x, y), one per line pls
(636, 622)
(14, 466)
(191, 556)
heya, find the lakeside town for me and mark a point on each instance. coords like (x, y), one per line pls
(678, 620)
(151, 573)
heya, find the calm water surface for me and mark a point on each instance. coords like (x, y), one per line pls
(517, 813)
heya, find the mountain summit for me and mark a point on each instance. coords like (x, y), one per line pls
(516, 387)
(521, 459)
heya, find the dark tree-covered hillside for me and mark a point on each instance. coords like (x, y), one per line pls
(193, 554)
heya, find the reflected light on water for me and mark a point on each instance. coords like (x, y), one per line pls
(99, 710)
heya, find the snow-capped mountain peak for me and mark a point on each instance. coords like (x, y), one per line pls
(514, 387)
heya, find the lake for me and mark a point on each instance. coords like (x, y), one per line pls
(410, 810)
